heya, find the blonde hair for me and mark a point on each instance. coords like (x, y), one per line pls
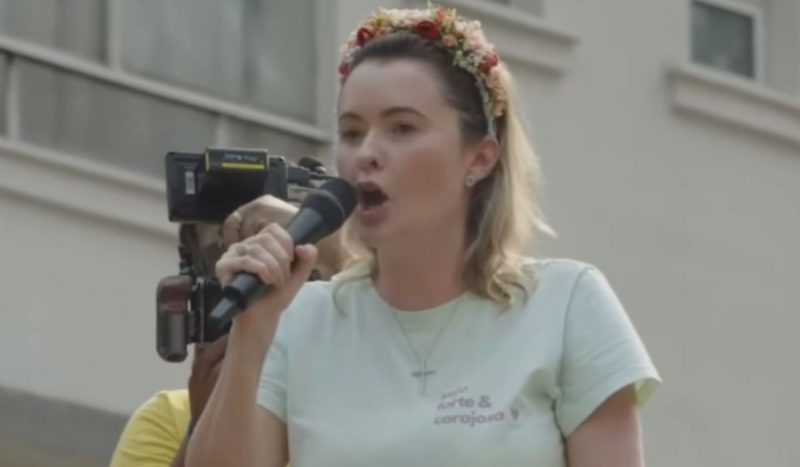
(504, 217)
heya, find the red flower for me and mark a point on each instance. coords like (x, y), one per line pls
(488, 63)
(344, 68)
(363, 35)
(427, 29)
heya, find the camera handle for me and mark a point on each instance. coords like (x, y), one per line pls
(277, 183)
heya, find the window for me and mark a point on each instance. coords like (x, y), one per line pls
(84, 117)
(81, 116)
(726, 36)
(236, 49)
(74, 26)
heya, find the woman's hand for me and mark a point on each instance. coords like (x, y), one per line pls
(250, 219)
(272, 256)
(232, 429)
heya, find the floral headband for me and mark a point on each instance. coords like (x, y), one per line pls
(461, 37)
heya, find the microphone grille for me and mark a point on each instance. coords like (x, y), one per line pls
(335, 200)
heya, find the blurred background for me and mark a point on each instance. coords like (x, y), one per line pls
(669, 133)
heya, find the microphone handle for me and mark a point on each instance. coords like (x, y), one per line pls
(306, 227)
(236, 296)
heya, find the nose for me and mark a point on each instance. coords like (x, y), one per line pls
(368, 154)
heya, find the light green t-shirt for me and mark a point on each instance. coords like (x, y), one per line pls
(500, 388)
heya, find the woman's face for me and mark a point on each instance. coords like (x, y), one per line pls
(400, 144)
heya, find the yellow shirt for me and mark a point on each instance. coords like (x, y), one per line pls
(154, 432)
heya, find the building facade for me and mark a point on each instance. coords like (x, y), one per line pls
(669, 134)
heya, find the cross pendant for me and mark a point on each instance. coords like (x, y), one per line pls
(423, 377)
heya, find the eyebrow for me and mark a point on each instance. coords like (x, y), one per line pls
(386, 113)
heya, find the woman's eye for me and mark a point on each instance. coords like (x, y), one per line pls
(349, 135)
(403, 129)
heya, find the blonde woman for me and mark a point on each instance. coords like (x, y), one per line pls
(444, 345)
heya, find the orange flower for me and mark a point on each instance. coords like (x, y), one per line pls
(441, 16)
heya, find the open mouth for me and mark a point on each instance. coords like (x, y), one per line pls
(370, 196)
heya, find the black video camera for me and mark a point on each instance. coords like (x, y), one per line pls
(205, 189)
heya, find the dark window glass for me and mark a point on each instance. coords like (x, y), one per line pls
(259, 52)
(723, 39)
(86, 118)
(75, 26)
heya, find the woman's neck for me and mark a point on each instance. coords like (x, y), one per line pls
(422, 274)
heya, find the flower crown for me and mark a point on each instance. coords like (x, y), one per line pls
(461, 37)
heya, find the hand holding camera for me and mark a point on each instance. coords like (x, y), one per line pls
(221, 197)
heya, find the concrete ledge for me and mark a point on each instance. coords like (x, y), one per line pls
(85, 186)
(735, 101)
(39, 431)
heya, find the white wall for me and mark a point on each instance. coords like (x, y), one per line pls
(78, 288)
(696, 223)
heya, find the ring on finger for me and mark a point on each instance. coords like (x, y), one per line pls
(241, 250)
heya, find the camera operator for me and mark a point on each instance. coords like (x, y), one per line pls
(156, 434)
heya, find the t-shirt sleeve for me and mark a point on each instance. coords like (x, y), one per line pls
(150, 438)
(602, 352)
(274, 375)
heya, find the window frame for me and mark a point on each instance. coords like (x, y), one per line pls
(756, 15)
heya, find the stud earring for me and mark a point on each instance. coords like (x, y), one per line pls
(470, 181)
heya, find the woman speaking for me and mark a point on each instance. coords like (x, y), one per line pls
(444, 344)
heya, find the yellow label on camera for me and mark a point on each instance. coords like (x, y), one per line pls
(242, 166)
(236, 160)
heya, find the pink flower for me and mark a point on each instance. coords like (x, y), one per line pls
(449, 40)
(489, 62)
(344, 68)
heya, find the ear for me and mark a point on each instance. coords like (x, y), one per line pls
(483, 158)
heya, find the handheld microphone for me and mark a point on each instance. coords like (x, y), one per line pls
(322, 213)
